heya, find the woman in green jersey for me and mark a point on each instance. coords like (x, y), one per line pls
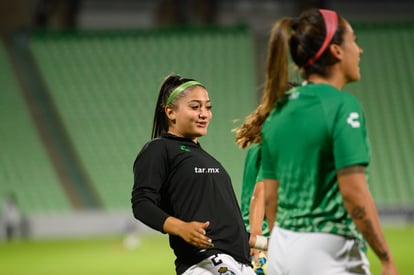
(252, 199)
(248, 136)
(315, 153)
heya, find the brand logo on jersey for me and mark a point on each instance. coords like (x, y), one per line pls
(225, 271)
(353, 120)
(184, 148)
(203, 170)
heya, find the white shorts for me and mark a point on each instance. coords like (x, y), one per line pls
(299, 253)
(219, 264)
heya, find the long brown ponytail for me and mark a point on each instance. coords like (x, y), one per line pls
(276, 83)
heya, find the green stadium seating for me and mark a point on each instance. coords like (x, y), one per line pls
(105, 85)
(385, 90)
(25, 169)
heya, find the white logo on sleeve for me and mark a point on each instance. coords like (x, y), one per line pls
(353, 120)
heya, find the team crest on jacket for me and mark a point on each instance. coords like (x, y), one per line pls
(225, 271)
(184, 148)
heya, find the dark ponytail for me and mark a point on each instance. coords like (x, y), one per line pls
(160, 121)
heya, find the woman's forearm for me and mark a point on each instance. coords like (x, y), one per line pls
(360, 205)
(257, 210)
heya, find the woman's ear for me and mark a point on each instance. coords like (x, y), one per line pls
(170, 112)
(336, 51)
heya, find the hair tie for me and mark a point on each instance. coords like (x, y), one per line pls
(331, 24)
(181, 88)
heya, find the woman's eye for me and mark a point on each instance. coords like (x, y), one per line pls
(209, 107)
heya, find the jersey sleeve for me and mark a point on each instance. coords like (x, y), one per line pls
(258, 164)
(259, 177)
(150, 172)
(266, 170)
(350, 140)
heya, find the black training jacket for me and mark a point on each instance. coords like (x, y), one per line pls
(174, 176)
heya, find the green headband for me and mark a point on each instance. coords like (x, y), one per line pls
(181, 88)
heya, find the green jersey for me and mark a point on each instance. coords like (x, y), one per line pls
(304, 142)
(251, 175)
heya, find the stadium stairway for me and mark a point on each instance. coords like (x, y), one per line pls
(51, 131)
(26, 170)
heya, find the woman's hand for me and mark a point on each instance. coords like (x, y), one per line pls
(193, 232)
